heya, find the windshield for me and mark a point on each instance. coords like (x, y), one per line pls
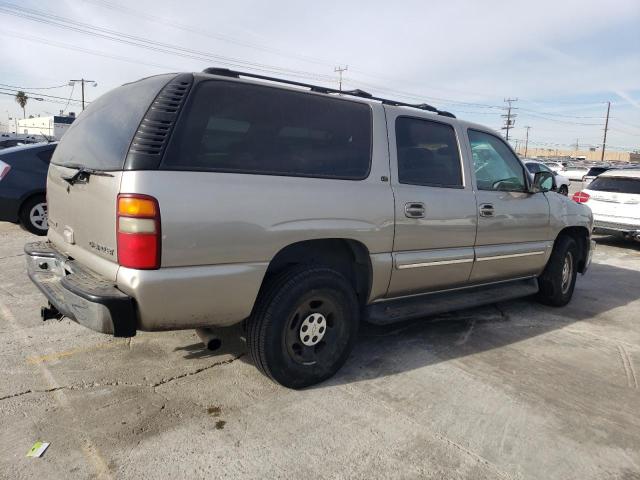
(616, 184)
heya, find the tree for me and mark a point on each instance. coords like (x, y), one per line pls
(21, 99)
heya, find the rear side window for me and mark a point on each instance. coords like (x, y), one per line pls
(99, 138)
(235, 127)
(427, 153)
(616, 184)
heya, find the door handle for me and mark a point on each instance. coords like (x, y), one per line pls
(486, 210)
(414, 210)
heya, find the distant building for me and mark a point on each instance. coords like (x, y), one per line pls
(52, 127)
(590, 155)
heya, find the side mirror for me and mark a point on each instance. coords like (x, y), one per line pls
(542, 182)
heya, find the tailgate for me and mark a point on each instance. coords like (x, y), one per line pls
(82, 218)
(82, 211)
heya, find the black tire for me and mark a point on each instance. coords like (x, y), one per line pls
(27, 215)
(563, 190)
(556, 285)
(299, 300)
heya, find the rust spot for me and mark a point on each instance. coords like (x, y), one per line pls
(220, 424)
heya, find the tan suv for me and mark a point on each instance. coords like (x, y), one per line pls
(212, 199)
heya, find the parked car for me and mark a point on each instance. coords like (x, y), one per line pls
(614, 199)
(215, 199)
(561, 183)
(23, 177)
(592, 173)
(555, 166)
(575, 172)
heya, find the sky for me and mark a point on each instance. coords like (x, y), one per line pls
(563, 60)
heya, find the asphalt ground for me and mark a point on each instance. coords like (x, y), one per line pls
(514, 390)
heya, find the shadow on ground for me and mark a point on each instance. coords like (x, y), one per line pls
(388, 350)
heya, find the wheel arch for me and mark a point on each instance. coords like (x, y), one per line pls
(581, 236)
(349, 257)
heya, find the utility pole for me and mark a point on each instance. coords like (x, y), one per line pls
(82, 81)
(606, 127)
(526, 142)
(340, 69)
(509, 117)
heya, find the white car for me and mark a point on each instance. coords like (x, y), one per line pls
(556, 167)
(614, 199)
(562, 183)
(575, 173)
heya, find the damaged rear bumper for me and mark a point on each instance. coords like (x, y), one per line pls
(79, 294)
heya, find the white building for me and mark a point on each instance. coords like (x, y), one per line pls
(52, 127)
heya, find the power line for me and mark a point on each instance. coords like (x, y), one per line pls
(199, 31)
(34, 88)
(87, 29)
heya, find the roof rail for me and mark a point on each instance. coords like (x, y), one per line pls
(225, 72)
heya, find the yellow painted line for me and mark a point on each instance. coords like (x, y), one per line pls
(51, 357)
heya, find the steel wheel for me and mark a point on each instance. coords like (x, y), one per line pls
(314, 330)
(567, 272)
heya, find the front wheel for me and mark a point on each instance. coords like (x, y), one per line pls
(559, 277)
(303, 326)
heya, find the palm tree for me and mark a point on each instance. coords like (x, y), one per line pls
(22, 98)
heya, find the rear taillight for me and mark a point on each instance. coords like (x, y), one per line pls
(4, 169)
(138, 229)
(580, 197)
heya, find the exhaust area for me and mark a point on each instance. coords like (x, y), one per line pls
(210, 338)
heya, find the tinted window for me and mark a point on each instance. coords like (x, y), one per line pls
(533, 167)
(235, 127)
(616, 184)
(427, 153)
(99, 138)
(595, 171)
(496, 166)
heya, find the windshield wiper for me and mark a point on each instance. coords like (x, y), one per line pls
(83, 174)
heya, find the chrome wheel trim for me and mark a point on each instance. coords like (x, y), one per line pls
(567, 272)
(312, 329)
(38, 216)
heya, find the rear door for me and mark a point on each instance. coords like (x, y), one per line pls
(82, 208)
(513, 225)
(435, 206)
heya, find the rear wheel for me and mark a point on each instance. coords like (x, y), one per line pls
(303, 326)
(563, 190)
(33, 215)
(559, 277)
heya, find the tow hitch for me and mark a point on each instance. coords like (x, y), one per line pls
(49, 313)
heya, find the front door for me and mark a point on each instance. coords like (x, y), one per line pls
(435, 206)
(513, 238)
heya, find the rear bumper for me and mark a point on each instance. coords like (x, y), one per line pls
(614, 225)
(78, 293)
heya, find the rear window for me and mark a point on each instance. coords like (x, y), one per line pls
(100, 136)
(616, 184)
(594, 171)
(235, 127)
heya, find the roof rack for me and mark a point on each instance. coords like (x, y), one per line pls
(225, 72)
